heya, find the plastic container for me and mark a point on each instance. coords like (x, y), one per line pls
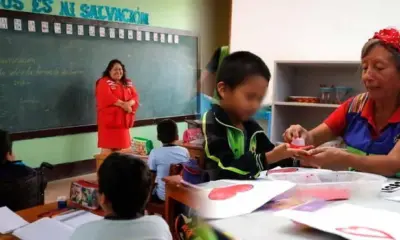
(354, 184)
(326, 94)
(62, 202)
(341, 94)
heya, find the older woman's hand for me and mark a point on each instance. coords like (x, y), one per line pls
(326, 157)
(296, 131)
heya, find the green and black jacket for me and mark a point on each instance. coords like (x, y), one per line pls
(225, 147)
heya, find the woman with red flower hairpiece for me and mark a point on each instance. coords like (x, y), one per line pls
(369, 122)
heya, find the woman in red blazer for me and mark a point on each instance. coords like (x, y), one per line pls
(117, 103)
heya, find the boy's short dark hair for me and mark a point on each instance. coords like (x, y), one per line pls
(5, 145)
(125, 181)
(238, 66)
(167, 131)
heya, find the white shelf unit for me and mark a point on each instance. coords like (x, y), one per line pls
(304, 79)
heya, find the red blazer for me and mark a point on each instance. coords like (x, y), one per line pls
(108, 93)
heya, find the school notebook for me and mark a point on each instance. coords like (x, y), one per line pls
(9, 221)
(45, 229)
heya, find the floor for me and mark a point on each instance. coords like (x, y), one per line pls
(61, 187)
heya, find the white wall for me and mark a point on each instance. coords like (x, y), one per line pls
(308, 30)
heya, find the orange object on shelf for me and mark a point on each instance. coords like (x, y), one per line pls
(304, 99)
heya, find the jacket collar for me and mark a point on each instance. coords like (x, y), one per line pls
(250, 125)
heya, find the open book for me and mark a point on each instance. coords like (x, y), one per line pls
(45, 229)
(60, 227)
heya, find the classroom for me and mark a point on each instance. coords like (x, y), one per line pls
(265, 117)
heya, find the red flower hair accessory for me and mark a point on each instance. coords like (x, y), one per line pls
(389, 36)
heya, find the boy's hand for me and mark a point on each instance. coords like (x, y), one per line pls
(285, 151)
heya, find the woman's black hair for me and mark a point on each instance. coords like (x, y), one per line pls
(5, 146)
(110, 65)
(125, 181)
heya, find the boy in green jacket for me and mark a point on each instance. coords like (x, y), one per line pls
(236, 147)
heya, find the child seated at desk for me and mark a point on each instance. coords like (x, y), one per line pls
(160, 159)
(20, 186)
(124, 188)
(9, 167)
(236, 147)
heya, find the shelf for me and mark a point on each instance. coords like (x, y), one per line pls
(298, 104)
(304, 78)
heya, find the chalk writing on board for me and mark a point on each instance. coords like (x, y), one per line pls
(38, 71)
(21, 82)
(17, 61)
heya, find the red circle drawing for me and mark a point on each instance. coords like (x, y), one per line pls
(224, 193)
(366, 232)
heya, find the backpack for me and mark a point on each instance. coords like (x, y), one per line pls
(192, 173)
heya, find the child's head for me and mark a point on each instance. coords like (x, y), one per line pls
(167, 131)
(242, 82)
(124, 185)
(5, 147)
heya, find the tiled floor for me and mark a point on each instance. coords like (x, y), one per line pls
(61, 187)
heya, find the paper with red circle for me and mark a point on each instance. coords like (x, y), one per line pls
(224, 193)
(366, 232)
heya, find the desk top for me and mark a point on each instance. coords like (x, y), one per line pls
(189, 145)
(180, 192)
(261, 224)
(35, 213)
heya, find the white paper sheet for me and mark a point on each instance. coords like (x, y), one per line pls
(17, 24)
(349, 221)
(121, 33)
(130, 34)
(69, 29)
(3, 23)
(45, 229)
(31, 26)
(235, 198)
(9, 221)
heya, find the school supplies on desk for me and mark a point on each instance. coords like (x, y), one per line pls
(391, 187)
(9, 221)
(333, 185)
(84, 193)
(234, 198)
(77, 218)
(349, 221)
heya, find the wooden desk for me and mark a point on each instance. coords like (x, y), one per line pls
(176, 192)
(33, 214)
(196, 151)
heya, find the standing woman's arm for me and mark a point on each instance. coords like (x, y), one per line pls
(134, 102)
(105, 97)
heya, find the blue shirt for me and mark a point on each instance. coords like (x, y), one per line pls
(160, 159)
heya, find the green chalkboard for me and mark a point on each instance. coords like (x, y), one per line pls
(47, 80)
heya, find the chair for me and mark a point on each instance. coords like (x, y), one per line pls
(156, 207)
